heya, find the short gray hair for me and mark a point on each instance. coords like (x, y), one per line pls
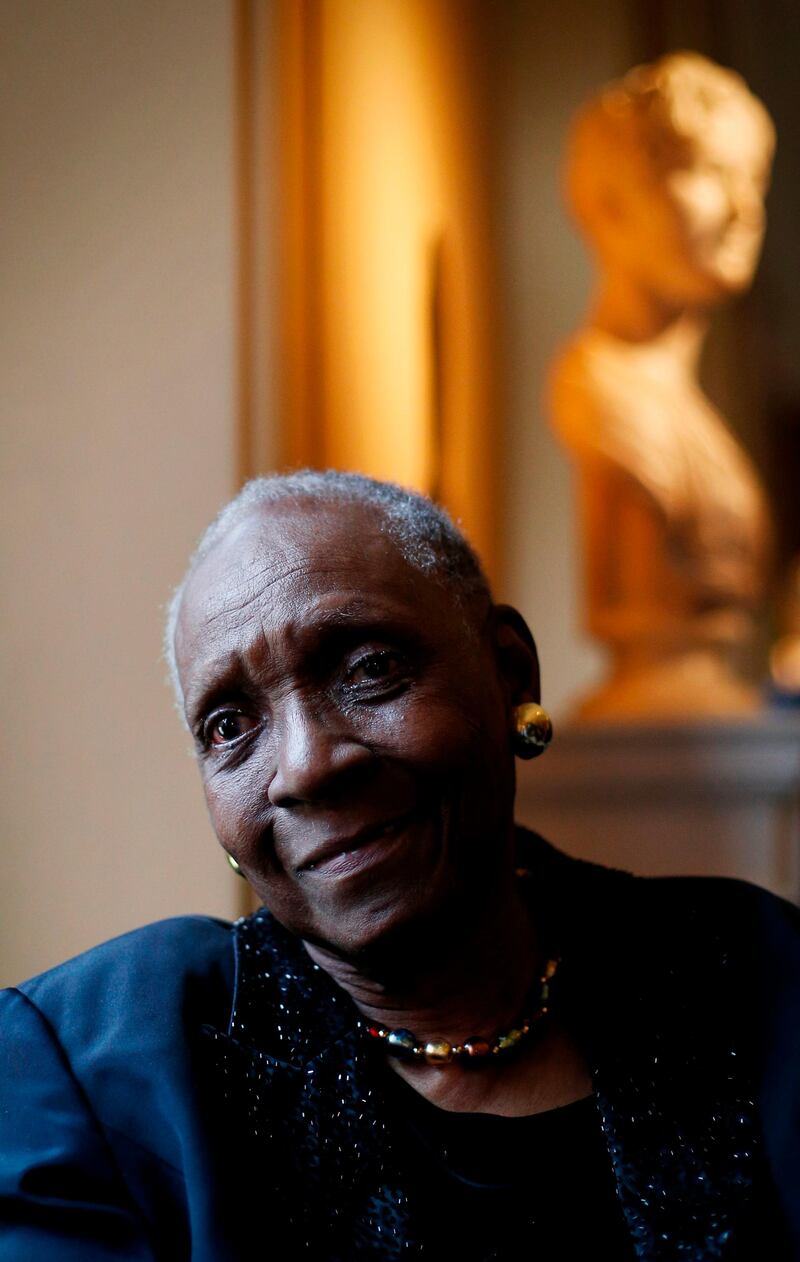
(424, 534)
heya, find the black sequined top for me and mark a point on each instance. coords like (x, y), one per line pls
(493, 1189)
(658, 984)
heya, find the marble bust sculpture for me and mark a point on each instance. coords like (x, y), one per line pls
(666, 174)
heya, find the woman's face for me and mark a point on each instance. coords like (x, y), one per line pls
(352, 731)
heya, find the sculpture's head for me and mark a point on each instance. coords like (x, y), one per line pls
(666, 174)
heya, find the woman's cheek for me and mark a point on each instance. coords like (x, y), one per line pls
(232, 806)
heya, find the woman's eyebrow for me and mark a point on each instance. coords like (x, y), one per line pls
(326, 631)
(357, 608)
(219, 680)
(344, 626)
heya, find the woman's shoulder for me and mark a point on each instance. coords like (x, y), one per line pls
(103, 1061)
(178, 941)
(668, 912)
(721, 908)
(160, 970)
(748, 912)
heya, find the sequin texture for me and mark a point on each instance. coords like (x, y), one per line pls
(666, 1046)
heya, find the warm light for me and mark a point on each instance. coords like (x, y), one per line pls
(395, 347)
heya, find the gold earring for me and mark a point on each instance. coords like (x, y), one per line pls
(533, 730)
(236, 867)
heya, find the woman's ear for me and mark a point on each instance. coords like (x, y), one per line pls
(516, 655)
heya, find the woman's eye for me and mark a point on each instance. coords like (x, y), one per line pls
(224, 728)
(378, 667)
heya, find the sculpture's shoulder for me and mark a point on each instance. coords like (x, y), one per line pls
(603, 408)
(591, 374)
(588, 359)
(151, 978)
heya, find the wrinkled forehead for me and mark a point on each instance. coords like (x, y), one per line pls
(287, 562)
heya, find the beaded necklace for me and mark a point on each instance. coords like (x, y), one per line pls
(476, 1049)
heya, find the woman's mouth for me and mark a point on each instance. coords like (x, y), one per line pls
(368, 846)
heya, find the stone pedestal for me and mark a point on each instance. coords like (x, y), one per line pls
(700, 798)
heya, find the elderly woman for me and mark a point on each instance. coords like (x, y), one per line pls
(439, 1037)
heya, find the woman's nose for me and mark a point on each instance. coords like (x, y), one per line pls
(316, 757)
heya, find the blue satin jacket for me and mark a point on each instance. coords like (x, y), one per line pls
(199, 1090)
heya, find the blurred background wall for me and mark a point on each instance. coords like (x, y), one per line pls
(118, 370)
(237, 234)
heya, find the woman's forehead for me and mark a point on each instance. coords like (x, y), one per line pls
(283, 539)
(279, 565)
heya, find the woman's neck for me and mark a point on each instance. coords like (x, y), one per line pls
(461, 976)
(470, 978)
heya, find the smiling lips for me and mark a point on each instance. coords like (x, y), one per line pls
(342, 855)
